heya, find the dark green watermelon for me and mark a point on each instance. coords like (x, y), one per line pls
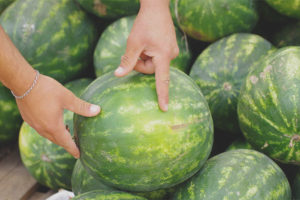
(288, 36)
(110, 8)
(239, 144)
(289, 8)
(4, 4)
(210, 20)
(48, 163)
(237, 175)
(133, 145)
(269, 106)
(296, 186)
(220, 71)
(107, 195)
(112, 45)
(10, 118)
(56, 37)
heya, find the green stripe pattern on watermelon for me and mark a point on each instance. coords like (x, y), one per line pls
(237, 175)
(56, 37)
(269, 107)
(133, 145)
(289, 8)
(288, 36)
(10, 118)
(209, 20)
(110, 8)
(83, 182)
(4, 4)
(107, 195)
(48, 163)
(220, 71)
(112, 45)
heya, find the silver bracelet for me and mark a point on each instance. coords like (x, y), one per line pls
(32, 86)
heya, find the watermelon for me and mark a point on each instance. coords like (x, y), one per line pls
(236, 175)
(83, 182)
(296, 186)
(210, 20)
(112, 45)
(239, 144)
(110, 9)
(4, 4)
(289, 8)
(10, 118)
(48, 163)
(132, 145)
(56, 37)
(220, 71)
(107, 195)
(288, 36)
(268, 107)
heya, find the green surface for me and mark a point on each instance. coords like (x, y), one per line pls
(107, 195)
(4, 4)
(289, 8)
(239, 144)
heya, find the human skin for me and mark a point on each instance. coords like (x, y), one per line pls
(154, 41)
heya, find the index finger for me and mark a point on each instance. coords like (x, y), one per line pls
(162, 79)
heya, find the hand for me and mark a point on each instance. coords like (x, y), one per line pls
(151, 46)
(43, 110)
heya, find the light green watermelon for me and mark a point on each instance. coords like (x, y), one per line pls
(112, 45)
(289, 35)
(48, 163)
(10, 118)
(107, 195)
(237, 175)
(220, 71)
(110, 8)
(289, 8)
(56, 37)
(4, 4)
(269, 106)
(133, 145)
(210, 20)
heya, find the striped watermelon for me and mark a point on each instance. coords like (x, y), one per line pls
(4, 4)
(10, 118)
(288, 36)
(112, 45)
(56, 37)
(269, 107)
(210, 20)
(220, 71)
(110, 8)
(107, 195)
(239, 144)
(83, 182)
(133, 145)
(237, 175)
(48, 163)
(289, 8)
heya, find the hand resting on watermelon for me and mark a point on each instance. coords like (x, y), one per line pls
(43, 107)
(151, 46)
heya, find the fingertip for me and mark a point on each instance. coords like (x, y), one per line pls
(94, 109)
(120, 71)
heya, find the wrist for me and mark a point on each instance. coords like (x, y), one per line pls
(155, 4)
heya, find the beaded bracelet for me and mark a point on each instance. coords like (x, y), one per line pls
(32, 86)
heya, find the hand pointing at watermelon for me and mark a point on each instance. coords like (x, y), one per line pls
(151, 46)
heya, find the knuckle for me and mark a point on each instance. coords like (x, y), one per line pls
(125, 61)
(84, 107)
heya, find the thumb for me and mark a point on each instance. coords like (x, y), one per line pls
(81, 107)
(129, 59)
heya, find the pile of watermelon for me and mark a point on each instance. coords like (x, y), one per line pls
(232, 130)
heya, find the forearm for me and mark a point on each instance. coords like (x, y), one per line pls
(15, 72)
(155, 3)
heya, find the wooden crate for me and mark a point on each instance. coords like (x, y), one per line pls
(15, 181)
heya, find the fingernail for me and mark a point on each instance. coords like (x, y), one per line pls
(119, 71)
(94, 109)
(165, 107)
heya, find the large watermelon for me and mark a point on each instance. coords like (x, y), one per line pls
(237, 175)
(56, 37)
(48, 163)
(288, 36)
(4, 4)
(132, 144)
(10, 118)
(220, 71)
(111, 8)
(112, 45)
(83, 182)
(269, 106)
(107, 195)
(210, 20)
(289, 8)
